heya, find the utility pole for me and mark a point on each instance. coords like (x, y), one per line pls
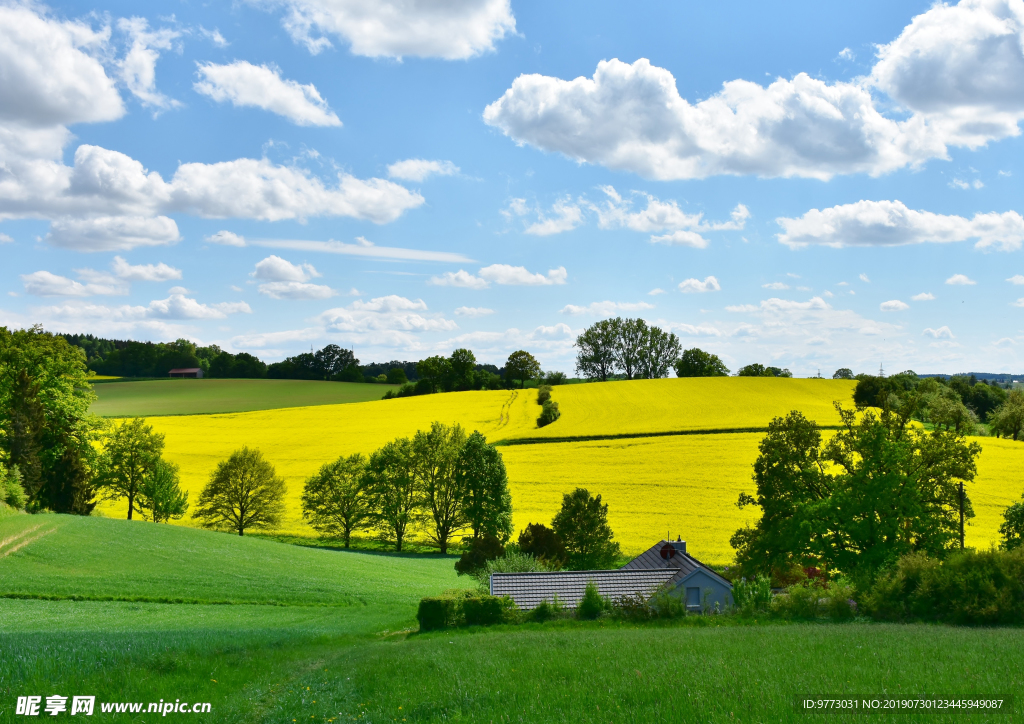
(881, 370)
(961, 515)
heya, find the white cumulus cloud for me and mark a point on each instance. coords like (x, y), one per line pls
(606, 309)
(144, 272)
(960, 280)
(1016, 279)
(473, 311)
(893, 305)
(461, 278)
(418, 169)
(940, 333)
(453, 30)
(276, 269)
(112, 233)
(138, 67)
(296, 290)
(519, 276)
(261, 86)
(710, 284)
(775, 285)
(226, 238)
(891, 223)
(954, 78)
(923, 297)
(45, 284)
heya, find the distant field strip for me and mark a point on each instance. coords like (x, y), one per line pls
(195, 397)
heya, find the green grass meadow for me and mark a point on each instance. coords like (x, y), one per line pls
(283, 633)
(196, 397)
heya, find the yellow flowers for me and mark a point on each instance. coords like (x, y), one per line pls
(683, 485)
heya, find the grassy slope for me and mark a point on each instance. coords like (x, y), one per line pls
(96, 557)
(194, 397)
(260, 663)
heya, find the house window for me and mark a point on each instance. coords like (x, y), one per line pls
(692, 596)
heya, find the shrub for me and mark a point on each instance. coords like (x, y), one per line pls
(548, 413)
(11, 491)
(593, 604)
(555, 378)
(483, 610)
(969, 587)
(809, 600)
(481, 550)
(635, 607)
(752, 596)
(546, 611)
(543, 544)
(437, 612)
(543, 612)
(543, 394)
(665, 605)
(513, 561)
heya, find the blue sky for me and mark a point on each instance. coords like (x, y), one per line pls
(808, 185)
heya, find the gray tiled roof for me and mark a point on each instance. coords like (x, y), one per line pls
(683, 563)
(529, 589)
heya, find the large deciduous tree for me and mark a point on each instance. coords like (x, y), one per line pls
(1008, 418)
(596, 357)
(1011, 530)
(131, 452)
(243, 492)
(877, 490)
(45, 425)
(658, 354)
(161, 498)
(487, 502)
(435, 370)
(334, 500)
(582, 525)
(696, 362)
(463, 365)
(392, 488)
(522, 366)
(435, 455)
(629, 348)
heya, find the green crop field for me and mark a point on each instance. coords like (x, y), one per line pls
(302, 634)
(196, 397)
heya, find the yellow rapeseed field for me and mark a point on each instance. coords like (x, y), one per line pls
(696, 403)
(688, 486)
(683, 485)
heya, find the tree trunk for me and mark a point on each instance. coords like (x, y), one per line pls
(131, 504)
(398, 542)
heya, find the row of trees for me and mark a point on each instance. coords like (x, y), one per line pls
(442, 480)
(958, 403)
(579, 539)
(626, 347)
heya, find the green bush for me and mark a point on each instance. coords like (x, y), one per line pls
(969, 587)
(593, 604)
(483, 610)
(438, 612)
(546, 611)
(753, 596)
(478, 553)
(809, 600)
(543, 394)
(11, 491)
(548, 413)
